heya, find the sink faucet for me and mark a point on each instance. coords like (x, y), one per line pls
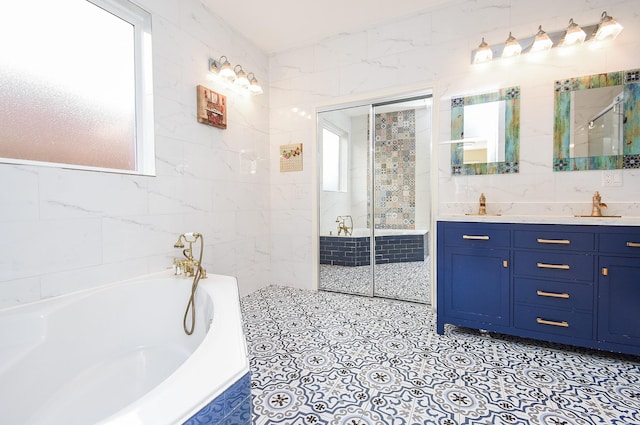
(483, 205)
(596, 210)
(342, 224)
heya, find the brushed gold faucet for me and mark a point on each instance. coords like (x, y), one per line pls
(596, 210)
(188, 266)
(482, 210)
(343, 226)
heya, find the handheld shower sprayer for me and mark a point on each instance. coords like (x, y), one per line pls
(190, 267)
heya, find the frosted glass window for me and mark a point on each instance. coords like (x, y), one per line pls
(74, 84)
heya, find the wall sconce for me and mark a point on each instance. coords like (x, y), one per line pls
(234, 77)
(573, 35)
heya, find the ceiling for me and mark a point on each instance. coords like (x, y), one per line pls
(278, 25)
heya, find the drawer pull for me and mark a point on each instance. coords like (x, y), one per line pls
(552, 294)
(555, 241)
(633, 244)
(475, 238)
(562, 324)
(605, 271)
(553, 266)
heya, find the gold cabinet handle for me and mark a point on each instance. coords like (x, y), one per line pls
(562, 324)
(605, 271)
(505, 264)
(633, 244)
(555, 241)
(552, 294)
(475, 238)
(553, 266)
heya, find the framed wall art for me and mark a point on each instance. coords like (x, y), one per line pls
(291, 157)
(212, 108)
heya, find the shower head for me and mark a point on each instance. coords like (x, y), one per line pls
(179, 243)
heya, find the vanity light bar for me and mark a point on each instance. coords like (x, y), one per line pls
(606, 29)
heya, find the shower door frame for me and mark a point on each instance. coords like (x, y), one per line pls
(372, 103)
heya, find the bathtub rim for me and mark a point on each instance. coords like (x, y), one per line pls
(205, 366)
(189, 388)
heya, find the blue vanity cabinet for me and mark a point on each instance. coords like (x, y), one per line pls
(475, 276)
(553, 280)
(619, 289)
(573, 284)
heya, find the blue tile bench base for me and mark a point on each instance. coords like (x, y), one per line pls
(232, 407)
(356, 251)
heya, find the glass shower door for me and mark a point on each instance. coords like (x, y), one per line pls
(345, 241)
(401, 199)
(374, 203)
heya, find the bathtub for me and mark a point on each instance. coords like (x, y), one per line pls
(392, 246)
(118, 355)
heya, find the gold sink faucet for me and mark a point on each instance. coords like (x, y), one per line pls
(596, 210)
(483, 205)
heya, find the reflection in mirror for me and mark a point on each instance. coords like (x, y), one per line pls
(485, 130)
(597, 122)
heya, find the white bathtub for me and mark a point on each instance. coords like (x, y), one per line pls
(118, 354)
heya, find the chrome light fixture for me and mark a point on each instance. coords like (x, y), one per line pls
(608, 28)
(574, 35)
(241, 77)
(254, 87)
(483, 54)
(542, 42)
(511, 47)
(234, 77)
(225, 69)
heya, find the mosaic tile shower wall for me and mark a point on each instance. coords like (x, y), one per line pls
(394, 165)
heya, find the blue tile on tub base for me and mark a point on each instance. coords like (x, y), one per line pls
(232, 407)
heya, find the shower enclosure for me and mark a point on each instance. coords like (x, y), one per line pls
(374, 206)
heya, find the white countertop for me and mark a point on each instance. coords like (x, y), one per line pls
(541, 219)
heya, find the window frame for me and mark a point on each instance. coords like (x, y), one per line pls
(144, 137)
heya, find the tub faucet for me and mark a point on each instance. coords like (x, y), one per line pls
(343, 226)
(191, 268)
(188, 266)
(596, 210)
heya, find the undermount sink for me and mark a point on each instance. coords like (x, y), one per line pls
(484, 215)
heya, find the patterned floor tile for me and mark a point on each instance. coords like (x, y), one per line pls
(329, 358)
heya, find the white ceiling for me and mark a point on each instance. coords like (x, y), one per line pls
(277, 25)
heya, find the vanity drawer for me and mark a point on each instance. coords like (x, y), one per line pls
(554, 265)
(554, 321)
(554, 294)
(621, 243)
(474, 235)
(554, 240)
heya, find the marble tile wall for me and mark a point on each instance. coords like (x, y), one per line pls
(66, 230)
(433, 50)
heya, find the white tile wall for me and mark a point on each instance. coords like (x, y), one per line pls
(433, 49)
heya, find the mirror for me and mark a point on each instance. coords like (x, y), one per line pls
(597, 122)
(485, 133)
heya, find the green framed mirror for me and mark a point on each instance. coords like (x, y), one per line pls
(485, 133)
(597, 122)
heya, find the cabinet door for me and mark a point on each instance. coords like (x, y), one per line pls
(477, 285)
(619, 300)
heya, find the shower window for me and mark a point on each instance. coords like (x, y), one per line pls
(76, 85)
